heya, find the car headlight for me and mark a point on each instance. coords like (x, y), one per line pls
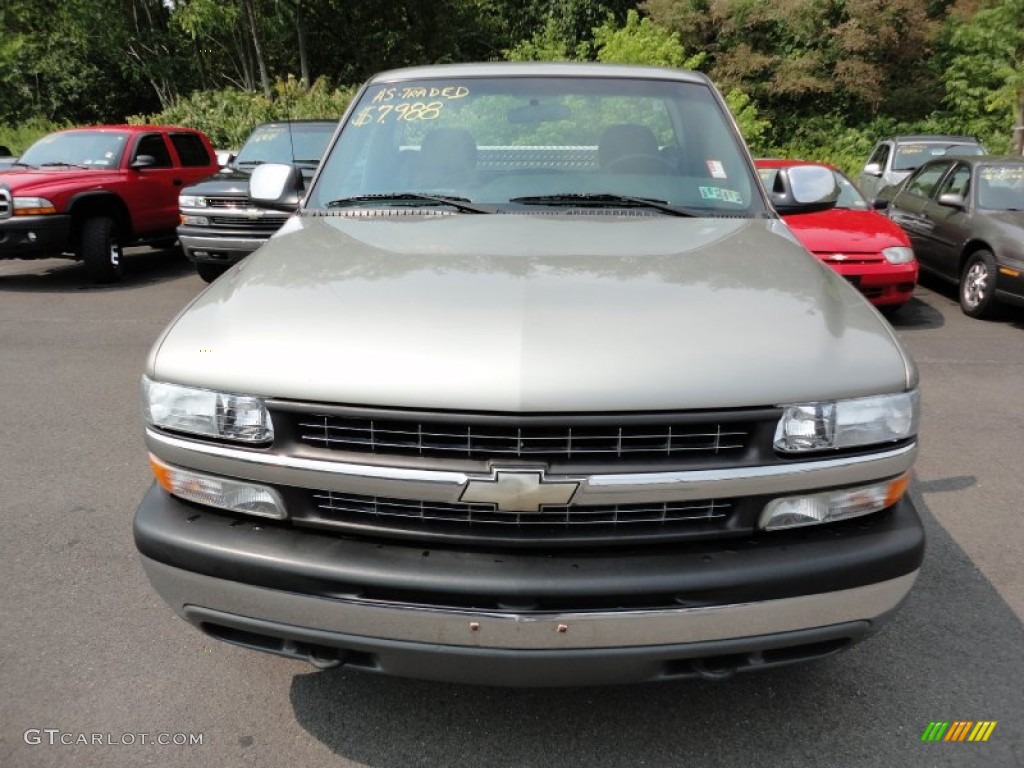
(204, 412)
(898, 254)
(850, 423)
(32, 206)
(191, 201)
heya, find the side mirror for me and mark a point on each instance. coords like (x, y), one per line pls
(275, 185)
(873, 169)
(804, 189)
(953, 200)
(143, 161)
(879, 203)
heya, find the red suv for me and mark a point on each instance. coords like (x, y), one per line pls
(85, 193)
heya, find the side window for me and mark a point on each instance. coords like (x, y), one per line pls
(880, 155)
(957, 183)
(191, 150)
(924, 180)
(153, 144)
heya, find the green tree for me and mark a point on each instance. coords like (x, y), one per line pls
(641, 41)
(985, 77)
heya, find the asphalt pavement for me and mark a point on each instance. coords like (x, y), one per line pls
(88, 652)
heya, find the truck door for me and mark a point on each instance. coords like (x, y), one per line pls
(156, 186)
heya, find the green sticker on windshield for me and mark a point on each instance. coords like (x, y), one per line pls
(725, 195)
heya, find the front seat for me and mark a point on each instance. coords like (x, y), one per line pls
(447, 159)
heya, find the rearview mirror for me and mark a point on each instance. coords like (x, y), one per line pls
(535, 112)
(276, 185)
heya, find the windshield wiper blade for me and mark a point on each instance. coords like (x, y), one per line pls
(608, 199)
(415, 198)
(63, 165)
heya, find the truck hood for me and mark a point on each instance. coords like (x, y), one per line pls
(842, 229)
(227, 182)
(533, 313)
(231, 182)
(36, 181)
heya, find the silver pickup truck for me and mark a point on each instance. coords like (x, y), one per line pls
(535, 389)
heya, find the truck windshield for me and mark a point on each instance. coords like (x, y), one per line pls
(276, 143)
(909, 157)
(90, 149)
(562, 141)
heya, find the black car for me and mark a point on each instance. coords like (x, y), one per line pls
(965, 217)
(220, 224)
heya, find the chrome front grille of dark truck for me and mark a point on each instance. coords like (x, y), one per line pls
(228, 202)
(541, 440)
(261, 224)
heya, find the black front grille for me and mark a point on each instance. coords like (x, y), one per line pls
(228, 202)
(348, 508)
(541, 440)
(6, 208)
(574, 525)
(254, 224)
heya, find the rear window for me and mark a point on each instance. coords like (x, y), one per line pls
(191, 150)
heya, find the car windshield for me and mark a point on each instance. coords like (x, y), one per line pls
(910, 156)
(1001, 187)
(275, 143)
(849, 196)
(515, 141)
(88, 149)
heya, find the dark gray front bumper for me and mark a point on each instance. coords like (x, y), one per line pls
(471, 616)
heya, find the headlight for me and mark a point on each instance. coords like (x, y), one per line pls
(847, 423)
(191, 201)
(207, 413)
(898, 254)
(32, 206)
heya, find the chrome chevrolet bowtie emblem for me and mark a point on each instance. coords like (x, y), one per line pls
(519, 490)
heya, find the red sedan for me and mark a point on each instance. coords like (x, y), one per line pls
(858, 242)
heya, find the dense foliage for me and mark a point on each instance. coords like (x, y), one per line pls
(816, 78)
